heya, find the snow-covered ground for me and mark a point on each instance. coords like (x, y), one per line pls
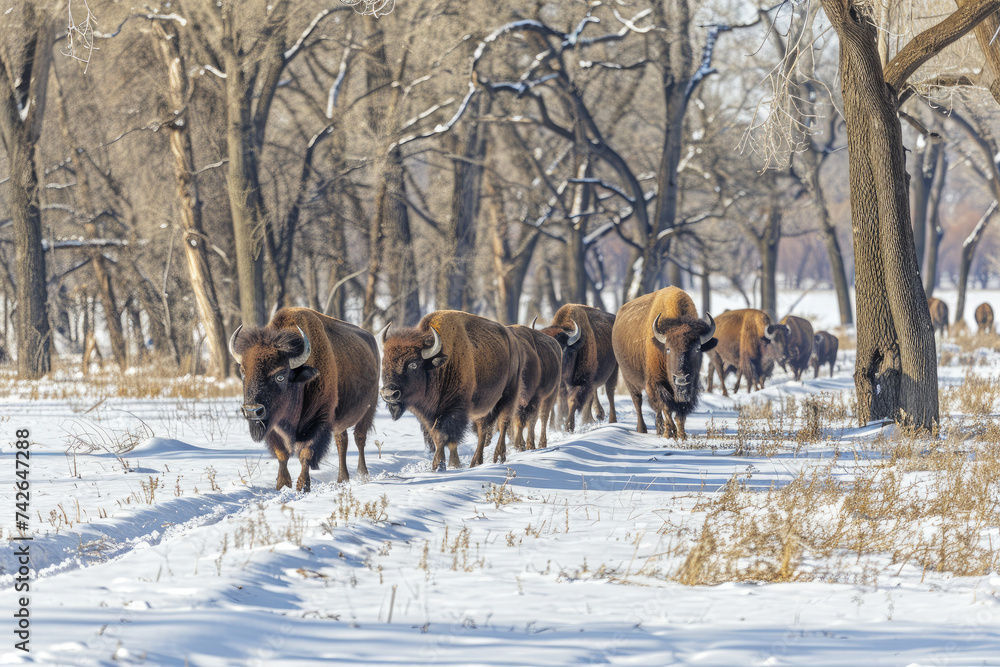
(158, 539)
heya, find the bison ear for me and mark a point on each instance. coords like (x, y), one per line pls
(439, 360)
(303, 374)
(712, 342)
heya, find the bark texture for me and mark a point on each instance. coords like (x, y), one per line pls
(896, 373)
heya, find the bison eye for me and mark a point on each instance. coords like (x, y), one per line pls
(413, 365)
(243, 373)
(280, 378)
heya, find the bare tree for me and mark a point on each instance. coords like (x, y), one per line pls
(25, 57)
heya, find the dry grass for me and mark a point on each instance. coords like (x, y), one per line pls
(929, 503)
(154, 380)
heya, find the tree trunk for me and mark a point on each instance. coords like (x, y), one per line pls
(968, 254)
(460, 234)
(921, 187)
(195, 249)
(896, 372)
(20, 135)
(768, 243)
(934, 223)
(391, 222)
(245, 201)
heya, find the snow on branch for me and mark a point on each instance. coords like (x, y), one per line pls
(374, 8)
(297, 46)
(442, 127)
(80, 36)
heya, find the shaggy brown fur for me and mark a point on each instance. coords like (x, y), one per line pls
(800, 344)
(475, 375)
(745, 348)
(335, 390)
(984, 318)
(587, 364)
(541, 369)
(825, 346)
(668, 372)
(939, 315)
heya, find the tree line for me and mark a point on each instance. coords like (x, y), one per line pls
(172, 171)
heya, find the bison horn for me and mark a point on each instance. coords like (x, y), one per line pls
(381, 335)
(232, 345)
(535, 319)
(434, 349)
(656, 331)
(770, 331)
(711, 328)
(574, 335)
(297, 361)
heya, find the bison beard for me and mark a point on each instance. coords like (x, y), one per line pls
(257, 429)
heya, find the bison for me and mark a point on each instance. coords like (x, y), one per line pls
(750, 344)
(450, 368)
(984, 318)
(588, 361)
(800, 344)
(307, 377)
(658, 341)
(825, 346)
(541, 370)
(939, 315)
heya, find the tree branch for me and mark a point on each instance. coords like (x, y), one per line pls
(932, 41)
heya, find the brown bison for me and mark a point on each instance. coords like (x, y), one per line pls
(984, 318)
(939, 315)
(541, 370)
(800, 344)
(307, 377)
(750, 344)
(658, 341)
(450, 368)
(588, 361)
(825, 346)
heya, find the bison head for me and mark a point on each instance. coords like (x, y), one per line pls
(408, 359)
(272, 364)
(775, 342)
(570, 341)
(682, 342)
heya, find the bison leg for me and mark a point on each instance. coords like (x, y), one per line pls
(681, 420)
(548, 406)
(640, 423)
(361, 437)
(598, 410)
(610, 387)
(578, 398)
(816, 369)
(428, 441)
(341, 440)
(276, 444)
(668, 422)
(500, 451)
(484, 431)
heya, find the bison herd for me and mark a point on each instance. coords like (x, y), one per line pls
(308, 378)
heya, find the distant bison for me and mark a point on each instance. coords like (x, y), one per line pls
(984, 318)
(307, 377)
(800, 344)
(825, 346)
(450, 368)
(658, 341)
(750, 344)
(541, 372)
(939, 315)
(588, 360)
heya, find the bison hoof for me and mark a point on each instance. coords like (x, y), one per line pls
(363, 472)
(343, 477)
(303, 485)
(283, 481)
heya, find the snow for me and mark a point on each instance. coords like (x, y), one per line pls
(539, 561)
